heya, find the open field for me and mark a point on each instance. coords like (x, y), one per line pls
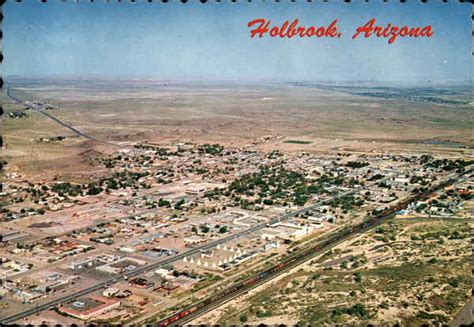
(267, 115)
(367, 280)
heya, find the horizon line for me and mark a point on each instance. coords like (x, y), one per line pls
(106, 77)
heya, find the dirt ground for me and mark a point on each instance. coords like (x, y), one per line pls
(263, 116)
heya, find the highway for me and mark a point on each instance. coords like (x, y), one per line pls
(64, 124)
(307, 255)
(157, 264)
(214, 301)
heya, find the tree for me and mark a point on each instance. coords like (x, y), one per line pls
(223, 229)
(454, 282)
(164, 203)
(384, 305)
(179, 204)
(94, 189)
(357, 277)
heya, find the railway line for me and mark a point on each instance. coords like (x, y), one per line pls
(157, 264)
(193, 311)
(152, 266)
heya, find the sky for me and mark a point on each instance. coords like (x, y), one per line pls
(212, 41)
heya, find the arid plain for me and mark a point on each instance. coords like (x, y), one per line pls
(263, 115)
(168, 167)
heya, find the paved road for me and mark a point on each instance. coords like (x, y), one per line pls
(465, 316)
(307, 254)
(157, 264)
(68, 126)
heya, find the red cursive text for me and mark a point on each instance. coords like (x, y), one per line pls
(261, 27)
(289, 30)
(392, 31)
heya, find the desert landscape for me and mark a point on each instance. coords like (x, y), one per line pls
(236, 163)
(264, 115)
(158, 201)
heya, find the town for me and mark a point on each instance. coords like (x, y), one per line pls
(152, 211)
(271, 163)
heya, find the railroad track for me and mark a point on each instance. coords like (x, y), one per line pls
(140, 270)
(300, 260)
(214, 301)
(149, 267)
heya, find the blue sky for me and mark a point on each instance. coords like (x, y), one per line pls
(211, 41)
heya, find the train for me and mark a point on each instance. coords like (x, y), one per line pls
(236, 288)
(291, 262)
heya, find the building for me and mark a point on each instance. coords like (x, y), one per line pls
(271, 245)
(89, 307)
(163, 273)
(89, 262)
(93, 261)
(286, 231)
(126, 250)
(195, 190)
(10, 235)
(193, 239)
(9, 268)
(56, 281)
(28, 295)
(121, 265)
(319, 218)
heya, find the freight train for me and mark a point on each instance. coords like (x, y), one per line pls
(301, 257)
